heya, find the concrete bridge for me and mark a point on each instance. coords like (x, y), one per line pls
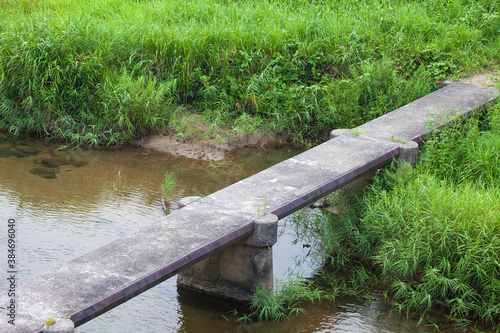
(235, 227)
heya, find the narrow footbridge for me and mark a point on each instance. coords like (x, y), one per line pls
(243, 216)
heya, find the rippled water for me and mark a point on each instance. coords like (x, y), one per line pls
(95, 197)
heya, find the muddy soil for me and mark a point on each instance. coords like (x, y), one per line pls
(199, 140)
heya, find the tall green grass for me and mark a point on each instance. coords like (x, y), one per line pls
(285, 300)
(429, 236)
(104, 72)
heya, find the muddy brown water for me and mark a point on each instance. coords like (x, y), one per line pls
(69, 203)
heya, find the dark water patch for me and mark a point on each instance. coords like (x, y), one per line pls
(13, 148)
(17, 152)
(47, 173)
(6, 153)
(27, 151)
(78, 163)
(57, 161)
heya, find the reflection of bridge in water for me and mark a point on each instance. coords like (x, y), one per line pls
(233, 229)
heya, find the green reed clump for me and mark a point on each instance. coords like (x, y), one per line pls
(284, 301)
(429, 235)
(168, 186)
(72, 70)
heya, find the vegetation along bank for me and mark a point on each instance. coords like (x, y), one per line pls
(427, 237)
(106, 72)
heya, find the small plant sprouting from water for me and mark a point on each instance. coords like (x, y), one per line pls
(118, 181)
(168, 187)
(117, 184)
(245, 318)
(281, 303)
(223, 163)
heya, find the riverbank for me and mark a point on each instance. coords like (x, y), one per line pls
(190, 136)
(100, 73)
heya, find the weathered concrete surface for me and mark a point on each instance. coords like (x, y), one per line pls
(301, 180)
(94, 283)
(187, 200)
(413, 121)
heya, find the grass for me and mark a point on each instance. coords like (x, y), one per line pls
(106, 72)
(428, 236)
(168, 188)
(283, 302)
(49, 321)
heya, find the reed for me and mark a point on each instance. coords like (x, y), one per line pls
(168, 186)
(285, 300)
(105, 72)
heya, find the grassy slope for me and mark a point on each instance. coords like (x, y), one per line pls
(107, 71)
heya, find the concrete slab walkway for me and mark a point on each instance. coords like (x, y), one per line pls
(98, 281)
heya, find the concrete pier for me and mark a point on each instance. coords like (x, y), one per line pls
(237, 271)
(94, 283)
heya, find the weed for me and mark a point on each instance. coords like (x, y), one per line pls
(355, 131)
(264, 210)
(397, 139)
(49, 321)
(118, 181)
(244, 318)
(284, 301)
(221, 164)
(168, 186)
(117, 184)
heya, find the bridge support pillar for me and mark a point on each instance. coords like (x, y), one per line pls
(235, 272)
(408, 152)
